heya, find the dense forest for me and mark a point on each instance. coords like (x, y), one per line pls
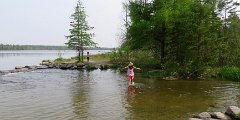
(186, 37)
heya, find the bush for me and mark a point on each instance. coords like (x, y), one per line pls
(231, 73)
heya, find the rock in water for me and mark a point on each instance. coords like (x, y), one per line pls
(233, 111)
(220, 115)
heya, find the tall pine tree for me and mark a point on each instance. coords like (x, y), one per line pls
(79, 33)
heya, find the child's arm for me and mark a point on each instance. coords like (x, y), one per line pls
(125, 67)
(137, 68)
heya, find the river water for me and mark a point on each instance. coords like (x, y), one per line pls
(54, 94)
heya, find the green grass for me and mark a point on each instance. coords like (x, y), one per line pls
(100, 57)
(65, 60)
(230, 73)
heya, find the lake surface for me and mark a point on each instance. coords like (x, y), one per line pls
(54, 94)
(10, 59)
(104, 95)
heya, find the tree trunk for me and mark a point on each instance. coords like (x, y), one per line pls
(79, 54)
(82, 55)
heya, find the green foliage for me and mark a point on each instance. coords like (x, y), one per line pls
(231, 73)
(211, 72)
(183, 36)
(121, 56)
(139, 58)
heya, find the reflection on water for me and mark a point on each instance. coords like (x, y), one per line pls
(74, 95)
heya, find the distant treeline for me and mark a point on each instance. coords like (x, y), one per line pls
(41, 47)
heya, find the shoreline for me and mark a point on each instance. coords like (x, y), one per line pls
(60, 65)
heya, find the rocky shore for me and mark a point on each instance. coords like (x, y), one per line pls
(59, 65)
(232, 113)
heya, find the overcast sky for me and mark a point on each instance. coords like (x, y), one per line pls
(46, 22)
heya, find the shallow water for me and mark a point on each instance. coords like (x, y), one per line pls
(105, 95)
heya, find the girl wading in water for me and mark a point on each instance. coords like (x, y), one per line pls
(130, 73)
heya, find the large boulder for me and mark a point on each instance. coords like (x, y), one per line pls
(18, 67)
(220, 115)
(233, 111)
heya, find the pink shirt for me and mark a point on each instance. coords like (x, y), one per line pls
(130, 72)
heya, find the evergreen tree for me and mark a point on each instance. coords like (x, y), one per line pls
(79, 33)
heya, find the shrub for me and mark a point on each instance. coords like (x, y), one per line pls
(231, 73)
